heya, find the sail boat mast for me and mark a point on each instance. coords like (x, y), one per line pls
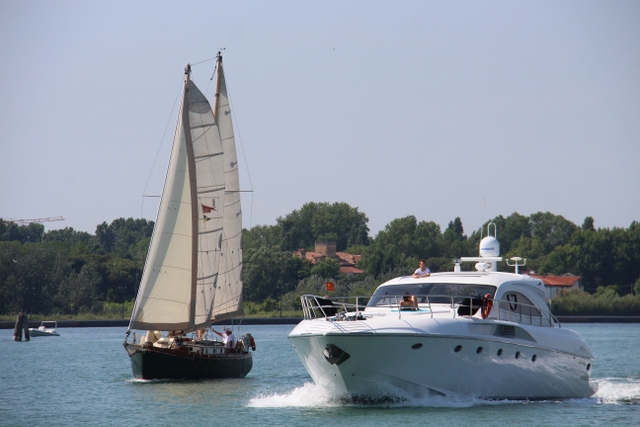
(216, 102)
(186, 123)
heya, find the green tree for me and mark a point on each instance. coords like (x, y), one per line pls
(514, 228)
(402, 242)
(588, 224)
(10, 231)
(269, 236)
(589, 255)
(454, 241)
(552, 230)
(122, 276)
(338, 222)
(269, 272)
(327, 268)
(78, 293)
(30, 276)
(122, 235)
(106, 237)
(531, 249)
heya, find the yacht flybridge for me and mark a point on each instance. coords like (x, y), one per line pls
(481, 333)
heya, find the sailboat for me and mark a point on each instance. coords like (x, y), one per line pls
(193, 271)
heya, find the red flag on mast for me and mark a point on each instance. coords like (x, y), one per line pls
(207, 209)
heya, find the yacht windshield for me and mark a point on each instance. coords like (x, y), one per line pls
(434, 293)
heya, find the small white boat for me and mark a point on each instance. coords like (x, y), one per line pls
(46, 329)
(482, 333)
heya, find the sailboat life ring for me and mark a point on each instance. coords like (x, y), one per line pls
(487, 305)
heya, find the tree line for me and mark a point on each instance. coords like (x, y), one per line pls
(71, 272)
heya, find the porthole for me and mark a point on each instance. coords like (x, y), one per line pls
(458, 348)
(517, 355)
(500, 352)
(534, 358)
(588, 366)
(479, 350)
(416, 346)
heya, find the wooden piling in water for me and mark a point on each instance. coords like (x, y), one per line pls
(22, 325)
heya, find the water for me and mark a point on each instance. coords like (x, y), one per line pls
(83, 377)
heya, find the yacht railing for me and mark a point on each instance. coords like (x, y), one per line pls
(314, 306)
(351, 308)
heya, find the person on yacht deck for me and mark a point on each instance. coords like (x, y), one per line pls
(422, 271)
(409, 302)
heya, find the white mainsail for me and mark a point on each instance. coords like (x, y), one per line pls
(195, 257)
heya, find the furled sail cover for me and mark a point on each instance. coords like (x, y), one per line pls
(179, 280)
(228, 299)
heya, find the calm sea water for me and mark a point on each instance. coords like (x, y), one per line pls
(83, 377)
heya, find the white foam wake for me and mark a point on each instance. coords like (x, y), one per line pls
(619, 391)
(312, 395)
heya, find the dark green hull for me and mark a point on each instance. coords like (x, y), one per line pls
(162, 363)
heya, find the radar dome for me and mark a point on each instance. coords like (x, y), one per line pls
(489, 247)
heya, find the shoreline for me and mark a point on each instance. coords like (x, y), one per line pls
(291, 321)
(125, 322)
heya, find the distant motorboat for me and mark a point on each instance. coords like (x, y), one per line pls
(46, 329)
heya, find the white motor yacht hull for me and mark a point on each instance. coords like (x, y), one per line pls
(483, 333)
(400, 357)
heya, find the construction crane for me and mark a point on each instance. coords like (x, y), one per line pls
(29, 221)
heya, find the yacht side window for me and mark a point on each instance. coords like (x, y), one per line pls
(518, 303)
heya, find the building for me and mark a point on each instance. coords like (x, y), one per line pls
(327, 249)
(553, 284)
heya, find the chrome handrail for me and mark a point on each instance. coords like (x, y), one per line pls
(341, 309)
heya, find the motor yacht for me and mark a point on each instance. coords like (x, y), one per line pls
(482, 333)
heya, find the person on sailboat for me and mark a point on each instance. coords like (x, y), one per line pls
(228, 339)
(422, 271)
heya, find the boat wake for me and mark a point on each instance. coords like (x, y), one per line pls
(619, 391)
(612, 391)
(312, 395)
(308, 395)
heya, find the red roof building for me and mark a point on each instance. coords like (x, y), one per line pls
(553, 284)
(328, 250)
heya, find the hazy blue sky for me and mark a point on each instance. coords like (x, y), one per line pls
(424, 108)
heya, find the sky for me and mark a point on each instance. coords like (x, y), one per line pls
(435, 109)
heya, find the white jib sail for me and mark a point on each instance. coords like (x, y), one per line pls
(228, 299)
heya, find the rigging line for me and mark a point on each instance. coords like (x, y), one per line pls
(204, 60)
(155, 160)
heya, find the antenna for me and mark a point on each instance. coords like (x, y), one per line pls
(516, 263)
(484, 207)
